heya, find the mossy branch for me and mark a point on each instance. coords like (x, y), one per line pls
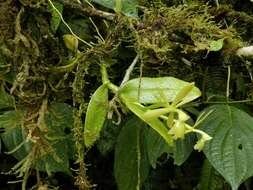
(91, 11)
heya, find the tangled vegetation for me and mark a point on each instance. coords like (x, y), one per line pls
(119, 94)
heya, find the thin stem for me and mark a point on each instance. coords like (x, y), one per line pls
(17, 147)
(68, 67)
(129, 71)
(105, 80)
(96, 28)
(228, 82)
(228, 102)
(104, 74)
(217, 3)
(65, 23)
(202, 133)
(91, 11)
(138, 150)
(89, 4)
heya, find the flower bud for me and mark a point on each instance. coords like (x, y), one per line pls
(199, 145)
(178, 130)
(71, 42)
(201, 142)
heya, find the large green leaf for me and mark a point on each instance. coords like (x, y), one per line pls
(183, 148)
(127, 7)
(156, 146)
(131, 163)
(108, 137)
(209, 179)
(59, 122)
(95, 116)
(231, 149)
(153, 90)
(14, 135)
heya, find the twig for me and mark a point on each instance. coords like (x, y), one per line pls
(228, 82)
(66, 24)
(91, 11)
(129, 71)
(228, 102)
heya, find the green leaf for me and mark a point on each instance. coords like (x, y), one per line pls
(6, 100)
(183, 148)
(127, 7)
(131, 165)
(180, 151)
(59, 121)
(55, 161)
(209, 179)
(231, 149)
(153, 90)
(56, 19)
(11, 119)
(216, 45)
(14, 135)
(156, 146)
(95, 116)
(108, 137)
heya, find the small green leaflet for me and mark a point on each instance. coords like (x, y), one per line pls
(131, 165)
(56, 19)
(231, 150)
(148, 90)
(127, 7)
(96, 115)
(216, 45)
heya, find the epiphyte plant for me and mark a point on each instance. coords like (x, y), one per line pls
(156, 101)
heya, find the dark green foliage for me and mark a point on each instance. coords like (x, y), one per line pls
(156, 146)
(47, 81)
(57, 146)
(131, 162)
(231, 147)
(210, 179)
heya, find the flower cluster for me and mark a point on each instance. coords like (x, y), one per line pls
(177, 120)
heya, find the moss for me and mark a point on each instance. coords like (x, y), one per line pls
(167, 31)
(8, 13)
(172, 38)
